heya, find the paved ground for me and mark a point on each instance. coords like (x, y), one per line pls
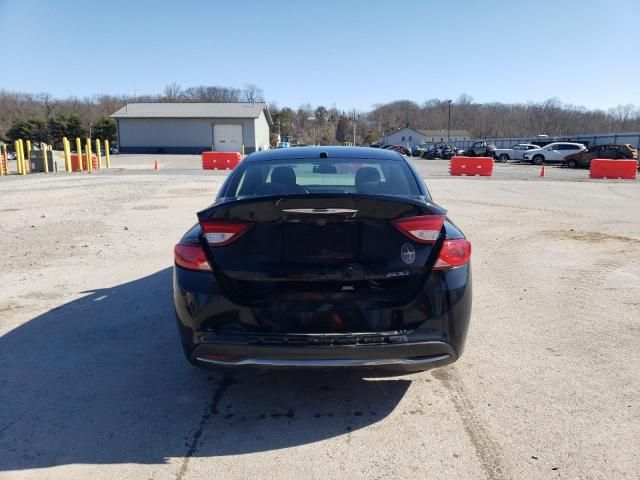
(93, 383)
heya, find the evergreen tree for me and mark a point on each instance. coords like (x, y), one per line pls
(33, 129)
(75, 129)
(105, 129)
(342, 128)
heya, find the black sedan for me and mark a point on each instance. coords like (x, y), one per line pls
(323, 257)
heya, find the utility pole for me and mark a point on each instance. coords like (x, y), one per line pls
(449, 122)
(354, 127)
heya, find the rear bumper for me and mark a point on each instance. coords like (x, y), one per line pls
(427, 332)
(403, 357)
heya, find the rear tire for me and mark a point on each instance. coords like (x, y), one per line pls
(538, 160)
(503, 157)
(572, 164)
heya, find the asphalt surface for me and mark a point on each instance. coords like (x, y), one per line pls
(93, 383)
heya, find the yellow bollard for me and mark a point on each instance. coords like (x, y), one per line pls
(44, 157)
(28, 156)
(69, 149)
(67, 154)
(99, 154)
(89, 155)
(79, 150)
(106, 152)
(5, 160)
(23, 164)
(16, 147)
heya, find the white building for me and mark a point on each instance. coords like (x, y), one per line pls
(410, 137)
(193, 127)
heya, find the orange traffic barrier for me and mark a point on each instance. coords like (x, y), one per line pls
(606, 168)
(4, 167)
(74, 162)
(471, 166)
(220, 160)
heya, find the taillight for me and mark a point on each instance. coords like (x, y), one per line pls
(454, 253)
(219, 233)
(422, 229)
(191, 256)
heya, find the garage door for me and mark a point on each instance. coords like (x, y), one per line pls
(227, 138)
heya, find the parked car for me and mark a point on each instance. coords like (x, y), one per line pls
(418, 150)
(583, 159)
(441, 150)
(554, 152)
(327, 257)
(11, 155)
(283, 145)
(480, 149)
(401, 149)
(516, 152)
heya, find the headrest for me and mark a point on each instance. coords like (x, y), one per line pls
(367, 175)
(283, 175)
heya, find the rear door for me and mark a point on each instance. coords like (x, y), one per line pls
(516, 152)
(553, 152)
(612, 152)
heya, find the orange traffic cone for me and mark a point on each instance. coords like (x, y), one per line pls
(155, 166)
(542, 171)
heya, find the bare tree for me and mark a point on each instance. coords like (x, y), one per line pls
(48, 102)
(172, 92)
(621, 115)
(213, 94)
(252, 93)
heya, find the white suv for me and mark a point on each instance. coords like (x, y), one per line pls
(554, 152)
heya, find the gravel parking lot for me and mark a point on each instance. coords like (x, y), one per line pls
(93, 383)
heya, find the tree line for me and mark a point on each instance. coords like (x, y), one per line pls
(42, 117)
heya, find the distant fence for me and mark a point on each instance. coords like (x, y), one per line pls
(588, 140)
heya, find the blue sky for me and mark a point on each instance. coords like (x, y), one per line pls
(351, 53)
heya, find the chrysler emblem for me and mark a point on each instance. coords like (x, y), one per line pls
(408, 253)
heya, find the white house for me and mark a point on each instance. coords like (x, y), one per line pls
(410, 137)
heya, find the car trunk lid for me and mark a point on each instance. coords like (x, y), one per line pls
(309, 249)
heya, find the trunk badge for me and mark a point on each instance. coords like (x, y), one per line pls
(404, 273)
(407, 253)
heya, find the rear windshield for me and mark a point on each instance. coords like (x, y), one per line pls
(284, 177)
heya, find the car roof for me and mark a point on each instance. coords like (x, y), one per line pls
(314, 152)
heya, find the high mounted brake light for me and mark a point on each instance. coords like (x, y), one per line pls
(219, 233)
(422, 229)
(454, 253)
(191, 256)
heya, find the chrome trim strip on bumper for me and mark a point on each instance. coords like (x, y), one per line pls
(325, 363)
